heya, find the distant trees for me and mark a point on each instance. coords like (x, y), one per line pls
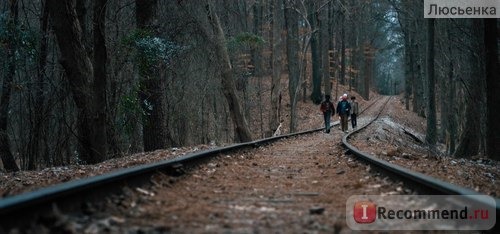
(463, 60)
(82, 81)
(10, 35)
(91, 128)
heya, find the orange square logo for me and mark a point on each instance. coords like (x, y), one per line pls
(365, 212)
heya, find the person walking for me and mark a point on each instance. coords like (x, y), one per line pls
(328, 111)
(354, 112)
(343, 108)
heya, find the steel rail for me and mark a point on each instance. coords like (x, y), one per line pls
(72, 195)
(429, 184)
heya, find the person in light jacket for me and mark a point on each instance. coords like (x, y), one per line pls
(343, 109)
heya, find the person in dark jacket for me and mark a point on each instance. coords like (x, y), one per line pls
(343, 108)
(328, 111)
(354, 112)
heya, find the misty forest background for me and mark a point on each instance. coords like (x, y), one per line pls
(84, 81)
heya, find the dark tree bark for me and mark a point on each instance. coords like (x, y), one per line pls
(292, 49)
(449, 102)
(493, 86)
(418, 90)
(331, 44)
(81, 12)
(316, 95)
(431, 81)
(152, 87)
(342, 48)
(452, 118)
(79, 72)
(100, 77)
(324, 44)
(369, 56)
(408, 57)
(8, 160)
(34, 146)
(470, 139)
(258, 9)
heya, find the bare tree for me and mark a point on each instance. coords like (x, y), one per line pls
(324, 39)
(470, 139)
(493, 86)
(8, 160)
(292, 51)
(79, 72)
(218, 42)
(277, 27)
(152, 86)
(431, 82)
(100, 58)
(316, 95)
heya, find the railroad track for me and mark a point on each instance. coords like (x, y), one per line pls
(425, 183)
(17, 210)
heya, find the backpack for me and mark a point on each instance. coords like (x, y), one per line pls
(343, 107)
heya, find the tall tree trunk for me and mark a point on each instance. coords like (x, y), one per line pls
(152, 86)
(452, 118)
(228, 87)
(316, 95)
(324, 44)
(100, 77)
(292, 49)
(8, 160)
(448, 96)
(342, 49)
(79, 72)
(408, 60)
(470, 139)
(369, 55)
(34, 147)
(258, 9)
(419, 80)
(493, 86)
(331, 44)
(276, 62)
(431, 82)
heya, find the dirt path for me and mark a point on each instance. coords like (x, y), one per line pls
(297, 185)
(270, 189)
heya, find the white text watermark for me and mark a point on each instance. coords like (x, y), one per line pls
(461, 8)
(421, 212)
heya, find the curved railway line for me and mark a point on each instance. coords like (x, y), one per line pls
(19, 210)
